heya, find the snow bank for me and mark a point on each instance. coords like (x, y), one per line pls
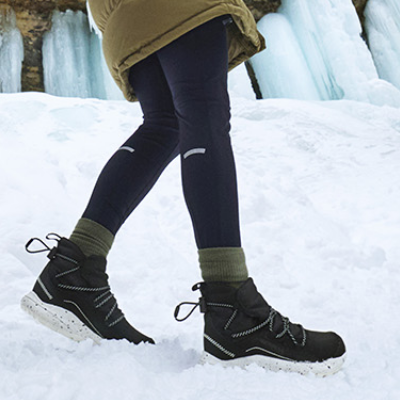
(320, 194)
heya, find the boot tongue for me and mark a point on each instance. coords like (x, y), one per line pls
(71, 250)
(93, 270)
(254, 305)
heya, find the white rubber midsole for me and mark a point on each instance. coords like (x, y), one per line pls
(57, 318)
(68, 324)
(324, 368)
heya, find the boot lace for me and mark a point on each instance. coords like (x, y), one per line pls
(269, 322)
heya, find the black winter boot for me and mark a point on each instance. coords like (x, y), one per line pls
(241, 328)
(72, 296)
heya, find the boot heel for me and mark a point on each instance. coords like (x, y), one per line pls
(57, 319)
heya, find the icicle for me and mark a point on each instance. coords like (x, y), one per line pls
(66, 59)
(334, 56)
(111, 90)
(92, 23)
(281, 69)
(73, 62)
(329, 35)
(11, 53)
(382, 22)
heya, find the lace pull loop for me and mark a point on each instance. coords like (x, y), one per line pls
(178, 308)
(53, 236)
(197, 286)
(201, 303)
(41, 250)
(45, 247)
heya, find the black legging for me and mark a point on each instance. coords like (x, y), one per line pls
(182, 90)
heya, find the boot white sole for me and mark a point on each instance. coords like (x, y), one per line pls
(325, 368)
(57, 319)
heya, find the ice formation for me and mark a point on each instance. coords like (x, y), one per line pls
(314, 52)
(382, 22)
(72, 59)
(328, 35)
(282, 69)
(11, 53)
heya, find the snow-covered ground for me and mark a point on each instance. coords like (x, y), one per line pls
(320, 212)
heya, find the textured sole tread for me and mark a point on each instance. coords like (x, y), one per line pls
(322, 369)
(57, 319)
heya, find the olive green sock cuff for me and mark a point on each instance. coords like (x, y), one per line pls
(223, 264)
(92, 238)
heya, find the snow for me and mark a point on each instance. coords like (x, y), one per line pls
(382, 22)
(320, 193)
(239, 82)
(11, 53)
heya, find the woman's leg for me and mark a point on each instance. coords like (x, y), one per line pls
(196, 67)
(72, 294)
(137, 164)
(240, 326)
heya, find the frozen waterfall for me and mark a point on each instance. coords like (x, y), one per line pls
(11, 53)
(282, 69)
(383, 27)
(315, 50)
(72, 60)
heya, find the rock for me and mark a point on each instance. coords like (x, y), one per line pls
(360, 7)
(32, 25)
(259, 8)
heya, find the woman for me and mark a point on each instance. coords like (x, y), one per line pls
(173, 56)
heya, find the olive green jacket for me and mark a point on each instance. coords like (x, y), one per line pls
(134, 29)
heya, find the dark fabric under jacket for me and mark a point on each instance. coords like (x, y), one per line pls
(134, 29)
